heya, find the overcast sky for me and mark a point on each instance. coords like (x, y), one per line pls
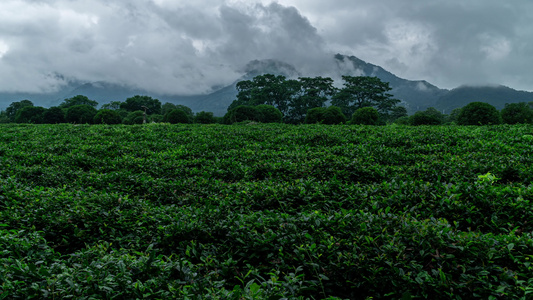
(185, 47)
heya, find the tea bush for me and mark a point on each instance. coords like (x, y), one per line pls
(265, 211)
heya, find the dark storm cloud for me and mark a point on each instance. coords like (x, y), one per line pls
(448, 42)
(163, 46)
(190, 46)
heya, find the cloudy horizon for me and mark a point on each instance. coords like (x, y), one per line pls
(178, 47)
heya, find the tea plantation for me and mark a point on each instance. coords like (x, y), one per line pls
(257, 211)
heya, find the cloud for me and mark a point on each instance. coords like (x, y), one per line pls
(163, 46)
(188, 47)
(448, 42)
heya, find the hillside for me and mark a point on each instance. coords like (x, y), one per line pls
(414, 94)
(494, 95)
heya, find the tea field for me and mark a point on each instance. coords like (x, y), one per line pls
(256, 211)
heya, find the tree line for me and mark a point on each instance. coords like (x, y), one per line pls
(274, 98)
(296, 98)
(82, 110)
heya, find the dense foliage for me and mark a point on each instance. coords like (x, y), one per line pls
(517, 113)
(365, 116)
(329, 116)
(257, 211)
(176, 116)
(295, 97)
(478, 113)
(81, 114)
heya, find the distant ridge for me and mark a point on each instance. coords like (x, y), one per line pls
(414, 94)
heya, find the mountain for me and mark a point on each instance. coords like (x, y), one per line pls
(497, 96)
(414, 94)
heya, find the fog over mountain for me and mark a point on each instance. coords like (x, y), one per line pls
(195, 47)
(192, 48)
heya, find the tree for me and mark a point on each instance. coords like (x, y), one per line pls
(167, 107)
(515, 113)
(240, 114)
(269, 114)
(78, 100)
(292, 97)
(267, 89)
(13, 108)
(134, 117)
(107, 116)
(365, 116)
(54, 115)
(478, 113)
(30, 114)
(113, 105)
(3, 117)
(311, 93)
(454, 114)
(430, 116)
(333, 115)
(176, 116)
(80, 114)
(396, 113)
(364, 91)
(329, 116)
(423, 118)
(204, 117)
(315, 115)
(155, 118)
(135, 103)
(187, 110)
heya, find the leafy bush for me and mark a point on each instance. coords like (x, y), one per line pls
(268, 211)
(107, 116)
(421, 118)
(176, 116)
(315, 115)
(330, 116)
(137, 103)
(269, 114)
(204, 117)
(80, 114)
(134, 117)
(30, 114)
(54, 115)
(242, 113)
(156, 118)
(365, 116)
(403, 121)
(517, 113)
(478, 113)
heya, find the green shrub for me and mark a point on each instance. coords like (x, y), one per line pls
(330, 116)
(333, 115)
(81, 114)
(517, 113)
(421, 118)
(315, 115)
(30, 114)
(402, 121)
(478, 113)
(134, 117)
(176, 116)
(204, 117)
(107, 116)
(156, 118)
(365, 116)
(241, 113)
(54, 115)
(269, 114)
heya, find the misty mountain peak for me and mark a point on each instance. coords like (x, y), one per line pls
(270, 66)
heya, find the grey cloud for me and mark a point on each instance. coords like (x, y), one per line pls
(190, 46)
